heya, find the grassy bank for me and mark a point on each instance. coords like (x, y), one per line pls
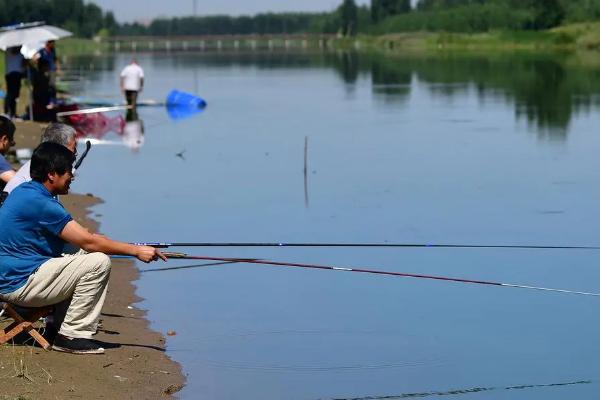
(574, 37)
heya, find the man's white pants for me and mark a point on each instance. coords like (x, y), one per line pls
(78, 282)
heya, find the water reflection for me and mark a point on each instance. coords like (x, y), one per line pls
(546, 90)
(133, 132)
(97, 128)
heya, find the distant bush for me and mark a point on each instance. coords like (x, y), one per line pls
(470, 18)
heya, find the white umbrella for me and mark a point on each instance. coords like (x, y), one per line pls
(21, 34)
(29, 50)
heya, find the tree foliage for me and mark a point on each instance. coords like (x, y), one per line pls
(349, 17)
(86, 19)
(381, 9)
(83, 19)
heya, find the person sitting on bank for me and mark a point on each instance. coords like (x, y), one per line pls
(132, 82)
(33, 271)
(7, 140)
(56, 133)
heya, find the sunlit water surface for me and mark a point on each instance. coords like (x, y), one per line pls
(477, 150)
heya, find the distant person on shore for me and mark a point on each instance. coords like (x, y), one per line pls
(48, 54)
(44, 95)
(132, 82)
(7, 140)
(55, 133)
(33, 271)
(14, 64)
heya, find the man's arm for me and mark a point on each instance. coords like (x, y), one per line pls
(7, 175)
(77, 235)
(21, 176)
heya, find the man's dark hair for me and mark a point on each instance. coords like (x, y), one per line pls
(50, 157)
(7, 128)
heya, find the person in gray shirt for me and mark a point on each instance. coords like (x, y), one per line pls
(56, 133)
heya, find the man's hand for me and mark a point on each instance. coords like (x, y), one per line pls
(148, 254)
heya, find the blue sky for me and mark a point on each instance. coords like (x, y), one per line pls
(143, 10)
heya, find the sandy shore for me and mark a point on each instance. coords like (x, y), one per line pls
(137, 368)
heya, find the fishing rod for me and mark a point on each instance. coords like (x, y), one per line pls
(161, 245)
(88, 146)
(184, 256)
(93, 110)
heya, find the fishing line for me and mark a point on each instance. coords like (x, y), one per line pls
(187, 266)
(463, 391)
(184, 256)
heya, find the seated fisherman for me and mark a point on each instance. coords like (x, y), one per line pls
(7, 140)
(54, 132)
(33, 271)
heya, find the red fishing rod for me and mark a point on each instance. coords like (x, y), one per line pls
(184, 256)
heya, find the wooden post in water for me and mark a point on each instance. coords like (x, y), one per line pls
(306, 171)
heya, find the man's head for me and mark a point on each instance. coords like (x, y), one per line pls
(61, 134)
(52, 165)
(50, 44)
(7, 134)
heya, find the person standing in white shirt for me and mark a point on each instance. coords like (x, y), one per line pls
(132, 82)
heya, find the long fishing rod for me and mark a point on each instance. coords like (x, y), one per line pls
(372, 271)
(417, 245)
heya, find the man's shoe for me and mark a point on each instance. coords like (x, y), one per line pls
(76, 345)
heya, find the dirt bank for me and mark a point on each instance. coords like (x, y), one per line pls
(137, 368)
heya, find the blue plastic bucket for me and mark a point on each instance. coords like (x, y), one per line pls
(182, 99)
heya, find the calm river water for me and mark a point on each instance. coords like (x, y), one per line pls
(451, 149)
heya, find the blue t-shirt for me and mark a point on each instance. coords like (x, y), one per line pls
(4, 166)
(50, 57)
(30, 221)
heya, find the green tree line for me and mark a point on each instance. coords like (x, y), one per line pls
(83, 19)
(387, 16)
(485, 15)
(381, 16)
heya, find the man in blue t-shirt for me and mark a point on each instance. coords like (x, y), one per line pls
(35, 228)
(7, 140)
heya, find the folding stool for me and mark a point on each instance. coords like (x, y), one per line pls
(24, 324)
